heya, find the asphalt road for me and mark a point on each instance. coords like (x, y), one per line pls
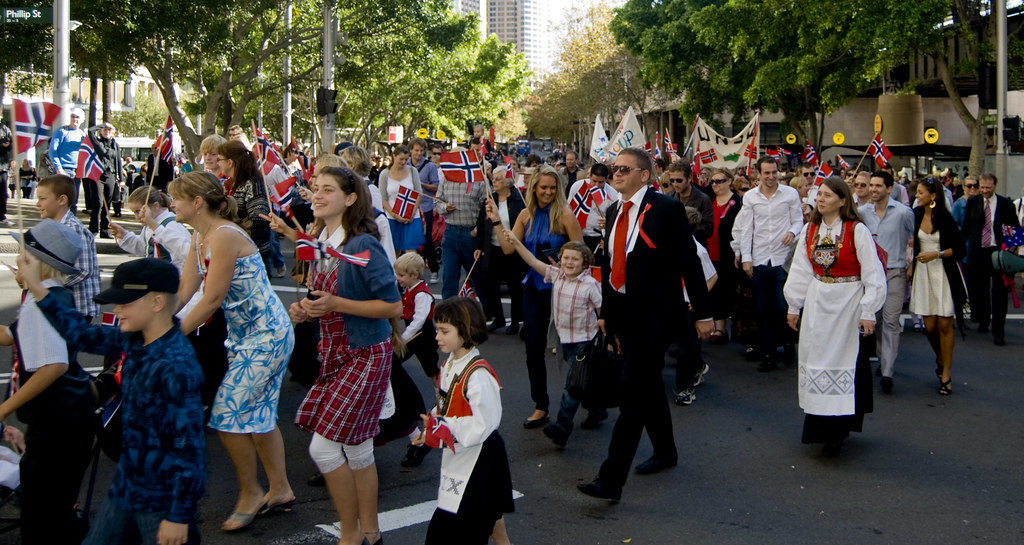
(927, 469)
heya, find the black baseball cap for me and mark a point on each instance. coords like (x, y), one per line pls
(136, 278)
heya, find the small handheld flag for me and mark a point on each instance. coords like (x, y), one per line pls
(461, 167)
(33, 123)
(809, 155)
(880, 152)
(109, 318)
(467, 290)
(1013, 237)
(842, 162)
(405, 202)
(89, 166)
(580, 206)
(824, 171)
(164, 143)
(308, 249)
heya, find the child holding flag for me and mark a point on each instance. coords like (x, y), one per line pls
(161, 237)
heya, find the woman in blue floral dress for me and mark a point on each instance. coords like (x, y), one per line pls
(226, 267)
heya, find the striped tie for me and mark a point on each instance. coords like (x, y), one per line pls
(986, 231)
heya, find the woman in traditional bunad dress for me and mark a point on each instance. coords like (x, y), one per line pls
(838, 281)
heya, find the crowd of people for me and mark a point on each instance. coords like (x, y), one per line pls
(638, 258)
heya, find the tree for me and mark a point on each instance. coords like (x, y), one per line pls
(149, 112)
(802, 58)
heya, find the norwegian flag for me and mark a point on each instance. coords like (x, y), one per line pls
(304, 162)
(308, 249)
(467, 290)
(669, 146)
(708, 156)
(786, 152)
(695, 165)
(405, 202)
(880, 152)
(773, 152)
(597, 195)
(809, 155)
(109, 318)
(267, 154)
(89, 166)
(33, 123)
(509, 175)
(824, 171)
(1013, 237)
(647, 147)
(438, 434)
(580, 204)
(657, 153)
(461, 167)
(164, 143)
(282, 195)
(750, 152)
(842, 162)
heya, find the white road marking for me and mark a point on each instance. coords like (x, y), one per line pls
(400, 518)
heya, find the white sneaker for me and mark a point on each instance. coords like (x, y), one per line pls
(433, 278)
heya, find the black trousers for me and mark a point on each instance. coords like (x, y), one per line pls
(424, 347)
(690, 360)
(52, 469)
(536, 316)
(98, 210)
(644, 407)
(508, 270)
(5, 176)
(988, 293)
(429, 250)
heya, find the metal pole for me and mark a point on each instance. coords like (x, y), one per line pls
(286, 131)
(61, 49)
(327, 135)
(1000, 15)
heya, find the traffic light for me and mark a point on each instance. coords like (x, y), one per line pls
(325, 101)
(1012, 129)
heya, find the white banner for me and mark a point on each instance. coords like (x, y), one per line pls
(628, 135)
(718, 151)
(600, 139)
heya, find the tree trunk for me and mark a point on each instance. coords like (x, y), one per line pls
(94, 84)
(107, 88)
(165, 82)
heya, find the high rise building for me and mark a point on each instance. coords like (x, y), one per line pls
(532, 25)
(478, 7)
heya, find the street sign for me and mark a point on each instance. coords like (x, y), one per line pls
(422, 133)
(396, 134)
(37, 16)
(838, 138)
(791, 138)
(989, 120)
(440, 135)
(931, 136)
(878, 124)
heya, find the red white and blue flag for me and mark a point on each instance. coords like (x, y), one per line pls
(461, 167)
(437, 434)
(89, 166)
(33, 123)
(809, 155)
(669, 146)
(109, 318)
(164, 143)
(405, 202)
(267, 154)
(1013, 237)
(824, 171)
(308, 249)
(304, 162)
(880, 152)
(282, 195)
(467, 290)
(708, 156)
(580, 204)
(842, 162)
(773, 152)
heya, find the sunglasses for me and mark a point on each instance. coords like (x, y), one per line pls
(744, 189)
(613, 169)
(717, 181)
(677, 180)
(971, 186)
(808, 175)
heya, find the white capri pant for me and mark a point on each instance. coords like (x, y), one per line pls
(330, 455)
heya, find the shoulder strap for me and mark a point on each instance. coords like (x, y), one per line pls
(476, 364)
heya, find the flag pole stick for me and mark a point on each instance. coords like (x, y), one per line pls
(470, 273)
(863, 156)
(17, 189)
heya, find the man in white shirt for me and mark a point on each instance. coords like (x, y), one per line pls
(592, 233)
(765, 230)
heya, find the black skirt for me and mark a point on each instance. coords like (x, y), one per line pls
(830, 429)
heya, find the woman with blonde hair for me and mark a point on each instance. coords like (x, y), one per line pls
(543, 227)
(225, 267)
(208, 151)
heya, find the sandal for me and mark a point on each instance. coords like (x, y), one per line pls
(938, 369)
(944, 389)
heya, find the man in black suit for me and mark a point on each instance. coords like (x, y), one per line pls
(651, 252)
(984, 219)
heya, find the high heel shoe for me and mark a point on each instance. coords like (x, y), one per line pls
(944, 387)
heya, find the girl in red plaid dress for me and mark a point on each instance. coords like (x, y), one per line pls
(353, 302)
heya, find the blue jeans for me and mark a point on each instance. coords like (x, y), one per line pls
(456, 254)
(115, 526)
(569, 405)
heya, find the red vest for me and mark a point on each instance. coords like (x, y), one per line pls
(409, 301)
(846, 263)
(454, 403)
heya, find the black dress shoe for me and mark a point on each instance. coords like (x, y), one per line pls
(654, 465)
(601, 489)
(513, 329)
(767, 366)
(557, 436)
(886, 385)
(538, 423)
(999, 342)
(316, 479)
(496, 325)
(414, 456)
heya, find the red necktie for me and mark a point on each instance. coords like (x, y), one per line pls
(618, 276)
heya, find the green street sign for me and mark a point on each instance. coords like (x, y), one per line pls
(38, 16)
(989, 119)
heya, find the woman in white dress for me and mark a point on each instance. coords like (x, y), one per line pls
(938, 293)
(838, 282)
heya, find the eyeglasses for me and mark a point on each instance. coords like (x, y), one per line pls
(614, 169)
(971, 186)
(717, 181)
(677, 180)
(808, 174)
(860, 185)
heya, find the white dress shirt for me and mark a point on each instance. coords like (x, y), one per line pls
(763, 222)
(634, 213)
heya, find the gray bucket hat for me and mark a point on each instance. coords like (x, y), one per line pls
(55, 244)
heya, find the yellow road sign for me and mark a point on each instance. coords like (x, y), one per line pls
(422, 133)
(931, 136)
(440, 135)
(838, 138)
(791, 138)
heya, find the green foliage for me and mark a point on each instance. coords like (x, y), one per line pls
(149, 113)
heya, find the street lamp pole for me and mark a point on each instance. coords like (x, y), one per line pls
(286, 106)
(61, 49)
(1001, 76)
(327, 135)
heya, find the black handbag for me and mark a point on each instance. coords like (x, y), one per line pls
(595, 376)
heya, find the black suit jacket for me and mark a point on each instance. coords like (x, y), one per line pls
(974, 222)
(654, 304)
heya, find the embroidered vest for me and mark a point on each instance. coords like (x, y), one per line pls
(454, 402)
(846, 263)
(409, 301)
(153, 249)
